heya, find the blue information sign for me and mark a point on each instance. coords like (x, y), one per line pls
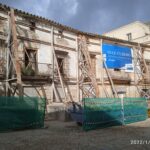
(119, 57)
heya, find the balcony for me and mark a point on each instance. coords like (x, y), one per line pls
(33, 71)
(119, 77)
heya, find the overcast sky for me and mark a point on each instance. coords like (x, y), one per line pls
(97, 16)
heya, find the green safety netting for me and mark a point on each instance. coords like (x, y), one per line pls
(135, 109)
(104, 112)
(21, 113)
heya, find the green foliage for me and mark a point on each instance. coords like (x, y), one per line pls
(28, 71)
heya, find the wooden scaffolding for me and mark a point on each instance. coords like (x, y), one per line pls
(87, 84)
(87, 79)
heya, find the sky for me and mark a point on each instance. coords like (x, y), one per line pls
(95, 16)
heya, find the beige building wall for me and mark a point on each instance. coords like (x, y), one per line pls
(139, 31)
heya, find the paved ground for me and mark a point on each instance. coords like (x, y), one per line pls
(68, 136)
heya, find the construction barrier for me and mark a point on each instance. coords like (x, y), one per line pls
(21, 113)
(135, 109)
(105, 112)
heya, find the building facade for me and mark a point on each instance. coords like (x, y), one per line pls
(42, 58)
(136, 31)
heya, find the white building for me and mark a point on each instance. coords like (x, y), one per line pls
(136, 31)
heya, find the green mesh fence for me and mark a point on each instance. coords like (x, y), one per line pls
(135, 109)
(105, 112)
(16, 113)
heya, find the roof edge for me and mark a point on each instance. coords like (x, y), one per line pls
(67, 28)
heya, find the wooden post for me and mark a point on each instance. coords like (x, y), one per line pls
(7, 61)
(7, 70)
(57, 66)
(102, 72)
(52, 46)
(109, 77)
(15, 52)
(135, 75)
(77, 52)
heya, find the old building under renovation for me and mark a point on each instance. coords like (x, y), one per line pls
(39, 57)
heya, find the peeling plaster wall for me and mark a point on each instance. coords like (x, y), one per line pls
(44, 59)
(72, 64)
